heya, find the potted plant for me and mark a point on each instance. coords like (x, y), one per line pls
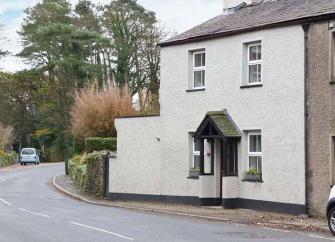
(253, 174)
(194, 172)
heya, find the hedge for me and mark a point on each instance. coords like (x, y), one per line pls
(8, 159)
(77, 170)
(99, 144)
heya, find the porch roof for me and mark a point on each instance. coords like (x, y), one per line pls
(222, 124)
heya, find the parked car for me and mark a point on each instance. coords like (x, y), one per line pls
(29, 155)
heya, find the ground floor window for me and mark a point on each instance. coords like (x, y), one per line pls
(254, 156)
(194, 156)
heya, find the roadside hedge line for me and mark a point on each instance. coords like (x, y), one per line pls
(99, 144)
(8, 159)
(77, 170)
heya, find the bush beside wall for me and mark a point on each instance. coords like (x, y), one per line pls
(94, 180)
(77, 170)
(99, 144)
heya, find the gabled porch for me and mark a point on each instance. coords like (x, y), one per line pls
(219, 137)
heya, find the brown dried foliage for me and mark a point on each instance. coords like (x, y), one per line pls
(94, 111)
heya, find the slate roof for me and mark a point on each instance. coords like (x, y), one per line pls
(223, 123)
(257, 16)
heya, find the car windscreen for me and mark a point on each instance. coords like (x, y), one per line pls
(28, 152)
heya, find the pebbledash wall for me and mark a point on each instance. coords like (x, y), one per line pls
(152, 156)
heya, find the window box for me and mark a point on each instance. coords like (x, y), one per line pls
(252, 175)
(194, 173)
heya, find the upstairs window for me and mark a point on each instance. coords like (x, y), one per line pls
(199, 69)
(254, 63)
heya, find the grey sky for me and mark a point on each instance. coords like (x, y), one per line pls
(176, 15)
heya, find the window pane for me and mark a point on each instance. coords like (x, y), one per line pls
(197, 79)
(196, 161)
(252, 143)
(255, 53)
(259, 143)
(259, 158)
(259, 54)
(203, 62)
(253, 74)
(255, 143)
(203, 76)
(252, 162)
(259, 73)
(197, 60)
(197, 144)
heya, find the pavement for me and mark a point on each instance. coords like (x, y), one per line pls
(31, 209)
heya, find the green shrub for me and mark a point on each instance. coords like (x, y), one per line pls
(8, 159)
(99, 144)
(78, 146)
(94, 180)
(77, 170)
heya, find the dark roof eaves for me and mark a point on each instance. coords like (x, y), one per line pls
(249, 29)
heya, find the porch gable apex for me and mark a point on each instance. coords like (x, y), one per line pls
(218, 124)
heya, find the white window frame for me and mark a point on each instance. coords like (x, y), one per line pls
(194, 153)
(200, 68)
(255, 62)
(252, 154)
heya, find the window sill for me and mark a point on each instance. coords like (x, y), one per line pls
(196, 90)
(229, 175)
(193, 177)
(209, 174)
(252, 180)
(251, 86)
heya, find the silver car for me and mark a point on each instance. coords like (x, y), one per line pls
(29, 155)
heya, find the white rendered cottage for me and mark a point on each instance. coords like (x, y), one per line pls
(231, 130)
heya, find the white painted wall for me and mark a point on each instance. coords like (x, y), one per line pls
(150, 167)
(137, 167)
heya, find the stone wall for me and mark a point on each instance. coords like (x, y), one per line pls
(321, 121)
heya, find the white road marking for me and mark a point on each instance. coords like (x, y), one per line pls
(5, 202)
(38, 214)
(101, 230)
(320, 237)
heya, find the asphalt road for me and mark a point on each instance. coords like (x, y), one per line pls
(32, 210)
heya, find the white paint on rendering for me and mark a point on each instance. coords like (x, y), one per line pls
(230, 187)
(152, 156)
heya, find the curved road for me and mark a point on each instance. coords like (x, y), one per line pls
(32, 210)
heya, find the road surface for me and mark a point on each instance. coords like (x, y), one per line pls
(32, 210)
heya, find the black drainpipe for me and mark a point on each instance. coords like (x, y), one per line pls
(305, 27)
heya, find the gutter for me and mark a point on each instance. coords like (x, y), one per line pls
(305, 27)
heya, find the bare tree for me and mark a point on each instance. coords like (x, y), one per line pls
(6, 136)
